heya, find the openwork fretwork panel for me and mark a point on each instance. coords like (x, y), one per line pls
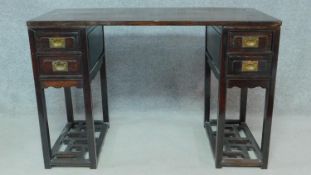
(71, 146)
(240, 147)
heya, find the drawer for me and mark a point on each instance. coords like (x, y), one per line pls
(250, 41)
(65, 40)
(249, 65)
(60, 65)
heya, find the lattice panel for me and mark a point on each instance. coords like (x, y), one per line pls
(72, 143)
(239, 145)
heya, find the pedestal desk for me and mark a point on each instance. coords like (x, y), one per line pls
(68, 50)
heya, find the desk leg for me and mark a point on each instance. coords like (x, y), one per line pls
(89, 123)
(69, 108)
(207, 85)
(207, 92)
(222, 94)
(103, 81)
(266, 132)
(44, 126)
(243, 105)
(41, 106)
(268, 111)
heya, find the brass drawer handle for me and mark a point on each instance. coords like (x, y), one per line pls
(57, 42)
(249, 66)
(250, 41)
(60, 66)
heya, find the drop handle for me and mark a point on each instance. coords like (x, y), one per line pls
(60, 66)
(57, 42)
(249, 66)
(250, 41)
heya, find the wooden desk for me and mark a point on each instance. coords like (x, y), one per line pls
(67, 48)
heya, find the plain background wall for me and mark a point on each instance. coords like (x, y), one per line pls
(153, 68)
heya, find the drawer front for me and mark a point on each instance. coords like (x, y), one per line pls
(47, 41)
(249, 65)
(60, 65)
(250, 41)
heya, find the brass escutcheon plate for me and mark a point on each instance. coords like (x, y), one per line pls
(57, 42)
(249, 66)
(60, 66)
(250, 41)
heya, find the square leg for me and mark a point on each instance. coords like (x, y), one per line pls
(44, 126)
(103, 81)
(222, 95)
(243, 104)
(207, 86)
(69, 108)
(89, 120)
(267, 122)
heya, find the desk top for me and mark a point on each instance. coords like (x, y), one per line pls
(153, 17)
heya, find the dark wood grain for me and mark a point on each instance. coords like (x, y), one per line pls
(61, 83)
(74, 65)
(234, 66)
(235, 41)
(72, 40)
(153, 16)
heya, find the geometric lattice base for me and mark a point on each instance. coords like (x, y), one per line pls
(240, 147)
(71, 148)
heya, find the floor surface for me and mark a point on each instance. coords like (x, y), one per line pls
(159, 141)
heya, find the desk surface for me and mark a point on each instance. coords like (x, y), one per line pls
(153, 16)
